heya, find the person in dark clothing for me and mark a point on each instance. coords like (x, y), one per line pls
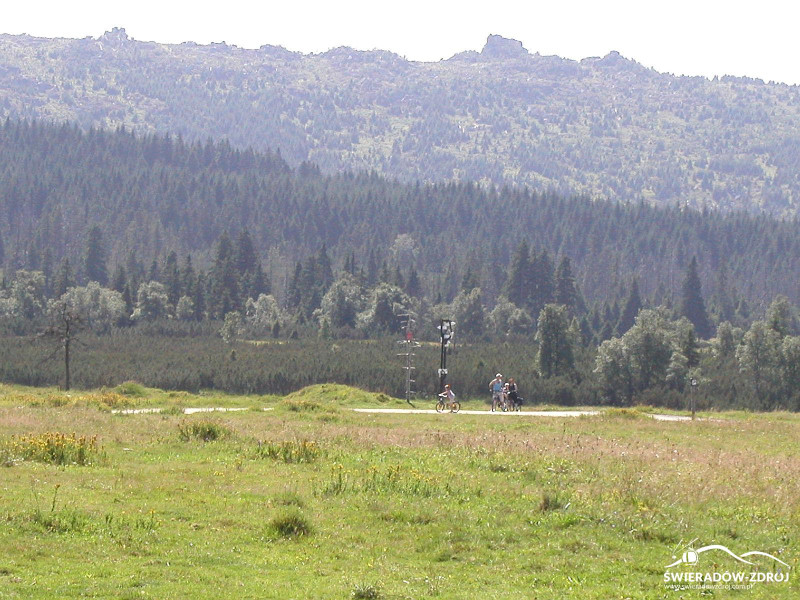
(513, 395)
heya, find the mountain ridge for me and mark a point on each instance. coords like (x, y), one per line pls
(606, 127)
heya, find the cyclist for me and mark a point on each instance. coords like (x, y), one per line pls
(448, 396)
(496, 387)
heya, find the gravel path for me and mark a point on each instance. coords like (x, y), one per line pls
(186, 411)
(419, 411)
(523, 413)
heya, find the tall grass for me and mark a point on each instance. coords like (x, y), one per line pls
(53, 448)
(205, 431)
(290, 451)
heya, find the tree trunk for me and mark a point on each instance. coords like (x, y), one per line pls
(67, 340)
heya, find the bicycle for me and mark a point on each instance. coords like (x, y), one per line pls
(502, 404)
(441, 405)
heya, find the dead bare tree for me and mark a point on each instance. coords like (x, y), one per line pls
(64, 327)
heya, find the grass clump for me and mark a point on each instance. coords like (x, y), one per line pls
(623, 413)
(307, 405)
(552, 501)
(289, 498)
(61, 521)
(290, 524)
(206, 431)
(366, 591)
(102, 399)
(52, 448)
(290, 451)
(331, 395)
(131, 389)
(394, 479)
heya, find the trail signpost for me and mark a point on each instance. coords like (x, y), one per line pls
(410, 345)
(446, 330)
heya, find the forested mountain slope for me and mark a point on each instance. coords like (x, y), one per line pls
(606, 127)
(156, 194)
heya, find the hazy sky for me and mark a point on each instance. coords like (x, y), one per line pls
(693, 37)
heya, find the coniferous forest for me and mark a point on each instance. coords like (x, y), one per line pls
(188, 265)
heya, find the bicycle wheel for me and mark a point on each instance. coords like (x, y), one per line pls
(455, 406)
(439, 406)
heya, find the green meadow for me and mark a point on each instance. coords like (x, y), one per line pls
(308, 499)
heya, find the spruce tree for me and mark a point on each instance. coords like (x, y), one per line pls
(566, 291)
(188, 277)
(127, 297)
(260, 283)
(134, 270)
(199, 298)
(245, 256)
(94, 263)
(692, 305)
(224, 280)
(413, 285)
(780, 317)
(119, 280)
(47, 268)
(385, 276)
(350, 264)
(373, 266)
(542, 282)
(516, 288)
(556, 352)
(172, 278)
(154, 272)
(311, 287)
(325, 269)
(632, 307)
(33, 257)
(64, 279)
(470, 281)
(294, 292)
(723, 299)
(397, 278)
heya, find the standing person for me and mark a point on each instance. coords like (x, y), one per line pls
(512, 393)
(496, 388)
